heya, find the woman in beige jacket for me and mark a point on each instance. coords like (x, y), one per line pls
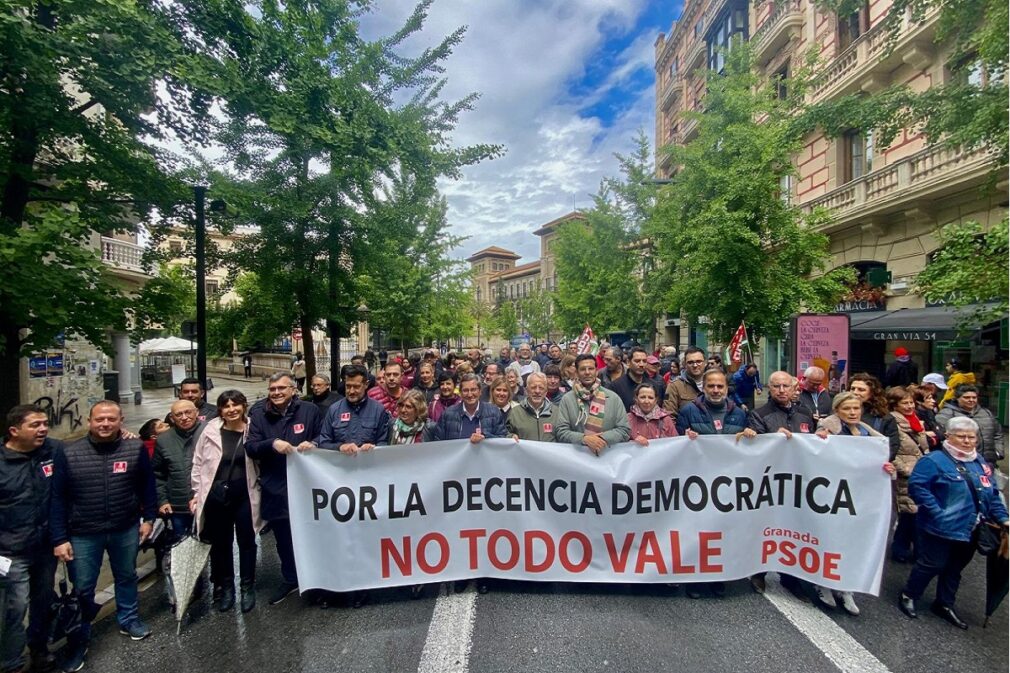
(226, 500)
(914, 445)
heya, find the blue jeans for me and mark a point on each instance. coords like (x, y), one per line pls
(182, 525)
(27, 587)
(88, 551)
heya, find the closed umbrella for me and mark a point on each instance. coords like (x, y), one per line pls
(997, 577)
(186, 560)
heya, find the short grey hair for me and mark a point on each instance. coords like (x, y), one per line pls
(322, 377)
(810, 371)
(469, 377)
(963, 424)
(540, 376)
(277, 376)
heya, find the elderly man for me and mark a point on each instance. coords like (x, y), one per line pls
(476, 360)
(524, 364)
(276, 428)
(990, 432)
(613, 365)
(591, 415)
(172, 463)
(684, 388)
(389, 391)
(103, 501)
(322, 396)
(534, 418)
(813, 397)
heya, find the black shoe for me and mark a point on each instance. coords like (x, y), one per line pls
(42, 661)
(757, 583)
(283, 591)
(74, 658)
(907, 605)
(718, 589)
(227, 600)
(459, 586)
(482, 586)
(948, 614)
(248, 600)
(901, 558)
(693, 591)
(359, 598)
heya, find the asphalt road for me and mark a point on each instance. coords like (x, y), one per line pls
(560, 627)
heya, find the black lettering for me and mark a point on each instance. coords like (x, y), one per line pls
(473, 494)
(368, 497)
(414, 502)
(590, 500)
(843, 499)
(817, 482)
(744, 488)
(616, 490)
(493, 505)
(512, 495)
(342, 517)
(318, 502)
(717, 483)
(534, 494)
(702, 502)
(665, 498)
(452, 496)
(552, 492)
(643, 495)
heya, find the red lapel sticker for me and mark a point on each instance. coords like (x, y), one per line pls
(202, 418)
(986, 468)
(47, 469)
(718, 424)
(299, 428)
(804, 427)
(985, 481)
(548, 427)
(119, 467)
(344, 417)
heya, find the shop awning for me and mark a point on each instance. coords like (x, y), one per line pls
(933, 323)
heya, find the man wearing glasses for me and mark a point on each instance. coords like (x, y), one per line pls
(686, 387)
(173, 466)
(276, 429)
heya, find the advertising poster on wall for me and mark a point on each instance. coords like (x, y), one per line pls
(822, 340)
(37, 367)
(54, 364)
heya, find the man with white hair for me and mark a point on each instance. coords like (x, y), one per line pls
(524, 364)
(534, 417)
(814, 399)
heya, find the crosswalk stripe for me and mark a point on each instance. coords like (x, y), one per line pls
(447, 647)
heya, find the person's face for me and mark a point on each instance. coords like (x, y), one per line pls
(500, 394)
(161, 426)
(553, 382)
(505, 353)
(781, 388)
(929, 402)
(573, 348)
(32, 432)
(469, 391)
(968, 401)
(569, 372)
(695, 363)
(391, 375)
(928, 389)
(525, 353)
(427, 375)
(536, 391)
(512, 378)
(490, 373)
(646, 399)
(948, 368)
(554, 352)
(613, 359)
(233, 411)
(474, 356)
(446, 388)
(674, 368)
(637, 363)
(850, 411)
(712, 362)
(105, 423)
(281, 391)
(586, 370)
(184, 415)
(715, 389)
(191, 392)
(319, 386)
(543, 348)
(814, 382)
(862, 389)
(651, 369)
(906, 406)
(354, 388)
(408, 412)
(964, 440)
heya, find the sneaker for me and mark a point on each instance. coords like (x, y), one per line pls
(74, 658)
(826, 597)
(137, 630)
(42, 661)
(849, 603)
(283, 591)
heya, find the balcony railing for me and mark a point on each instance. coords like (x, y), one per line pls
(924, 172)
(671, 92)
(777, 29)
(696, 57)
(123, 255)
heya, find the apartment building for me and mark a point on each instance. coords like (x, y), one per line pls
(887, 201)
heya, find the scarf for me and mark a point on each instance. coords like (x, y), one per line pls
(406, 434)
(657, 413)
(593, 403)
(914, 422)
(958, 454)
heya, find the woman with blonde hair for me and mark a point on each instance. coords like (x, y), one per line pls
(411, 426)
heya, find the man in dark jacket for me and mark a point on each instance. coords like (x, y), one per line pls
(472, 419)
(190, 389)
(275, 430)
(26, 473)
(103, 486)
(173, 466)
(813, 397)
(321, 395)
(902, 371)
(356, 423)
(634, 374)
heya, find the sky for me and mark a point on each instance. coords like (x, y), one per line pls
(563, 84)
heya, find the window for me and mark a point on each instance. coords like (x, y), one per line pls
(478, 294)
(175, 247)
(857, 159)
(699, 27)
(852, 26)
(786, 189)
(781, 86)
(729, 27)
(212, 286)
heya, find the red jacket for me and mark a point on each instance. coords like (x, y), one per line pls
(380, 394)
(661, 425)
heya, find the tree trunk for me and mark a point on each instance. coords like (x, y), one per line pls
(308, 347)
(10, 364)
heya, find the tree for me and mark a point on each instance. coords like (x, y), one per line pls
(79, 107)
(504, 320)
(166, 300)
(727, 245)
(537, 312)
(969, 268)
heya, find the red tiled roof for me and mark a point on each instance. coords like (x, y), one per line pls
(550, 226)
(493, 251)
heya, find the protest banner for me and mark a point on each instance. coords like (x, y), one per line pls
(678, 510)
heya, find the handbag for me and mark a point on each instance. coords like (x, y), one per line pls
(65, 612)
(985, 535)
(219, 489)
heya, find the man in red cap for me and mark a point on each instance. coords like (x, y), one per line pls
(902, 371)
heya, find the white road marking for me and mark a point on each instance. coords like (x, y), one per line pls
(838, 646)
(447, 647)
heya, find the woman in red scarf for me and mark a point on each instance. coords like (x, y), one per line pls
(914, 445)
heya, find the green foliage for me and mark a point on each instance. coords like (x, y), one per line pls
(969, 268)
(727, 247)
(537, 312)
(504, 320)
(166, 301)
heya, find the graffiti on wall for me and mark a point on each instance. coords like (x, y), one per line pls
(57, 410)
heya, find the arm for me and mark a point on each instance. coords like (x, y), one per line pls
(563, 430)
(257, 445)
(325, 438)
(59, 504)
(757, 423)
(493, 424)
(670, 400)
(890, 428)
(621, 432)
(159, 469)
(919, 483)
(997, 436)
(199, 458)
(438, 432)
(383, 429)
(145, 487)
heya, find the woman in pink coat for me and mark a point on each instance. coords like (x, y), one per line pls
(227, 500)
(647, 419)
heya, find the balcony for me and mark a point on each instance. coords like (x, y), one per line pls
(671, 92)
(696, 57)
(867, 64)
(125, 259)
(777, 30)
(928, 175)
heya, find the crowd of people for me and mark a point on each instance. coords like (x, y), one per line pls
(219, 471)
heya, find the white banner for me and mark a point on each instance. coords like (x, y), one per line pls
(678, 510)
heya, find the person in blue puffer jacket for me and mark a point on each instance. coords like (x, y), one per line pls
(954, 489)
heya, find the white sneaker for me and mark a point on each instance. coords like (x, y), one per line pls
(826, 597)
(849, 603)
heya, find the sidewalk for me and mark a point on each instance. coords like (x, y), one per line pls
(157, 401)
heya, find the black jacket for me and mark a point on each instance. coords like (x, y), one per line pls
(901, 374)
(772, 416)
(297, 423)
(100, 488)
(818, 410)
(173, 466)
(325, 402)
(25, 488)
(885, 425)
(625, 389)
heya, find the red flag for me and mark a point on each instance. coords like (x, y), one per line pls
(734, 352)
(584, 343)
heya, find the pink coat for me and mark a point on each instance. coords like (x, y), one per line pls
(206, 459)
(651, 428)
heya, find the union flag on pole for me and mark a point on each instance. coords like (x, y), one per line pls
(584, 344)
(734, 351)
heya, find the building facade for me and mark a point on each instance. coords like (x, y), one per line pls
(887, 201)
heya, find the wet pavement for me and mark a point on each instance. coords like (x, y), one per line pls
(157, 401)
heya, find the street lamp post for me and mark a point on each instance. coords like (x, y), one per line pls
(199, 193)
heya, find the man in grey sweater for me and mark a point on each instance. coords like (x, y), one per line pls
(590, 415)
